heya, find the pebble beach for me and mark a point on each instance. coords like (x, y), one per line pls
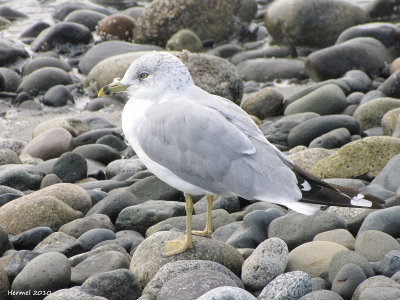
(82, 218)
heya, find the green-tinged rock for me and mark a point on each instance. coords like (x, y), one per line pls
(326, 100)
(365, 156)
(370, 114)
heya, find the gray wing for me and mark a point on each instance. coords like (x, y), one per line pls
(212, 147)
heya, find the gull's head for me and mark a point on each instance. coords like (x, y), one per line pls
(155, 70)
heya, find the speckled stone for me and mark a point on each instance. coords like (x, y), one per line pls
(370, 114)
(374, 245)
(117, 26)
(365, 156)
(308, 157)
(184, 39)
(375, 282)
(339, 236)
(290, 285)
(389, 121)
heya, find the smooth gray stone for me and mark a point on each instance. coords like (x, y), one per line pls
(94, 236)
(349, 257)
(296, 229)
(389, 265)
(386, 220)
(17, 262)
(28, 240)
(389, 176)
(70, 167)
(347, 280)
(116, 285)
(61, 243)
(41, 62)
(79, 226)
(227, 293)
(305, 132)
(335, 138)
(321, 294)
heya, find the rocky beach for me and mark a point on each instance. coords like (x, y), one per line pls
(82, 218)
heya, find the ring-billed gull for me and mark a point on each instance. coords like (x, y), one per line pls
(201, 143)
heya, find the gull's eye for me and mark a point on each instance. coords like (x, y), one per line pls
(143, 75)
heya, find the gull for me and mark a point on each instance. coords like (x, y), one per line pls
(201, 143)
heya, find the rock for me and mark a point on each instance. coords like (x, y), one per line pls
(326, 100)
(11, 80)
(286, 21)
(17, 262)
(56, 36)
(113, 204)
(380, 293)
(347, 280)
(42, 62)
(307, 158)
(265, 103)
(277, 132)
(227, 292)
(117, 26)
(79, 226)
(321, 294)
(73, 293)
(335, 138)
(270, 69)
(39, 81)
(152, 188)
(92, 237)
(343, 258)
(176, 288)
(70, 167)
(313, 257)
(57, 96)
(93, 135)
(21, 177)
(375, 282)
(219, 218)
(389, 120)
(145, 262)
(339, 236)
(4, 240)
(358, 158)
(9, 157)
(386, 33)
(251, 232)
(71, 194)
(104, 284)
(34, 30)
(21, 215)
(151, 25)
(61, 243)
(371, 113)
(174, 269)
(30, 105)
(98, 263)
(62, 10)
(49, 179)
(119, 166)
(142, 216)
(184, 39)
(267, 261)
(48, 272)
(389, 86)
(107, 49)
(12, 144)
(11, 14)
(374, 245)
(10, 52)
(30, 238)
(112, 141)
(366, 54)
(305, 132)
(73, 125)
(229, 203)
(389, 265)
(86, 17)
(291, 285)
(98, 152)
(385, 220)
(77, 259)
(296, 229)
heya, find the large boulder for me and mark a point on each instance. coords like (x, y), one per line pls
(313, 23)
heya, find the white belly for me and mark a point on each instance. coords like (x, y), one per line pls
(131, 121)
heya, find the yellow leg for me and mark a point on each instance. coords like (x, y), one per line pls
(179, 245)
(208, 230)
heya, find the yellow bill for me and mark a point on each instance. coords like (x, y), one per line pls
(112, 88)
